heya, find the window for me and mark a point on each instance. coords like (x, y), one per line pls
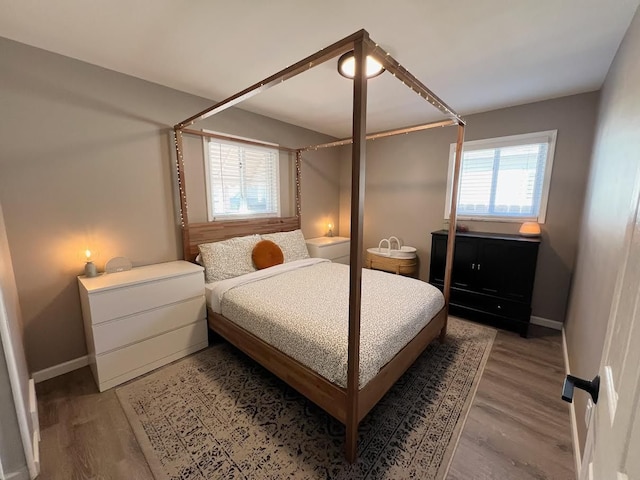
(241, 179)
(504, 179)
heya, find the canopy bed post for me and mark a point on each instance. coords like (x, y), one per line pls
(182, 192)
(453, 215)
(358, 158)
(298, 189)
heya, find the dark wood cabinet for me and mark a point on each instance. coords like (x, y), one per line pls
(492, 276)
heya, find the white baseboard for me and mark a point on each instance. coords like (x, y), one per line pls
(60, 369)
(572, 412)
(545, 322)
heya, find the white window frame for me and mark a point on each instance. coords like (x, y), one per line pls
(548, 136)
(211, 215)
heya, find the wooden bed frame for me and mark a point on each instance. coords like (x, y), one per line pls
(348, 405)
(327, 395)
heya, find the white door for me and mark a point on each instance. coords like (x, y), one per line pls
(612, 450)
(22, 388)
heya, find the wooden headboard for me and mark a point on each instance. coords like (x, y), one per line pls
(197, 233)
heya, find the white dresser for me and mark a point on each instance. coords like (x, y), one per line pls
(335, 249)
(140, 319)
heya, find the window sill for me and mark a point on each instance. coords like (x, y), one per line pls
(224, 218)
(497, 219)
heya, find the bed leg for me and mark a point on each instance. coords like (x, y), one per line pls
(443, 334)
(351, 443)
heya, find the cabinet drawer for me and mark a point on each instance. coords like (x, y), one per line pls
(120, 302)
(134, 328)
(493, 305)
(331, 252)
(149, 352)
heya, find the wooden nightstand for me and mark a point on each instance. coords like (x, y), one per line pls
(335, 249)
(143, 318)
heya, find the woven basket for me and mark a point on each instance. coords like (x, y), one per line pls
(401, 266)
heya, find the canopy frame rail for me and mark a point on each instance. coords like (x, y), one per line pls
(324, 55)
(362, 46)
(382, 134)
(221, 136)
(393, 66)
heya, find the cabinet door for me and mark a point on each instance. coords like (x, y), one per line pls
(438, 259)
(491, 266)
(519, 272)
(464, 262)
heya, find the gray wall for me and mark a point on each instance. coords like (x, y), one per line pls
(86, 161)
(610, 203)
(406, 184)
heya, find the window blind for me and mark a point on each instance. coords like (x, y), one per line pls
(243, 180)
(505, 178)
(502, 181)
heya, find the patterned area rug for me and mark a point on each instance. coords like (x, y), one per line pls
(219, 415)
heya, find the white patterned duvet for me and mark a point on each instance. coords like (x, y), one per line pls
(302, 309)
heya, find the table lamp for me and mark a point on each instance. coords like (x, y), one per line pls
(90, 269)
(530, 229)
(330, 232)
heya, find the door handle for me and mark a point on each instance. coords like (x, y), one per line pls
(591, 387)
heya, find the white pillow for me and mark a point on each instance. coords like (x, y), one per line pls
(229, 258)
(292, 244)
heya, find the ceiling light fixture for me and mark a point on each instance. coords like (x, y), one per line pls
(347, 66)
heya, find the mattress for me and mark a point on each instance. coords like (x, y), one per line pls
(302, 309)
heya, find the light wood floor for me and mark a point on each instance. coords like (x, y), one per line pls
(517, 429)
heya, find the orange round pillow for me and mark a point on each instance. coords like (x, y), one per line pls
(266, 254)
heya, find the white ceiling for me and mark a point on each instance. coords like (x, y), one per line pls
(476, 55)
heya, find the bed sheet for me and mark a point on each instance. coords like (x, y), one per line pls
(302, 309)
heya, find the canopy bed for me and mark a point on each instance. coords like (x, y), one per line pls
(347, 399)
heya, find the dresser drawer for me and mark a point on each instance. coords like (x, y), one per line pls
(327, 247)
(334, 251)
(148, 353)
(119, 302)
(134, 328)
(491, 305)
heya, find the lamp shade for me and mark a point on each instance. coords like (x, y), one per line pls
(530, 229)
